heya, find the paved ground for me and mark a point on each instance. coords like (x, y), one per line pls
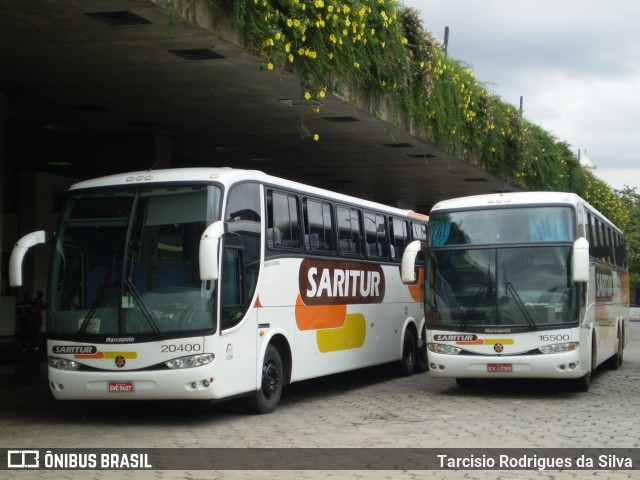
(368, 408)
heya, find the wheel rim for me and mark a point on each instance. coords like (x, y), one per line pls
(409, 359)
(270, 379)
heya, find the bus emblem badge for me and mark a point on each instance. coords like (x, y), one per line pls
(120, 361)
(498, 347)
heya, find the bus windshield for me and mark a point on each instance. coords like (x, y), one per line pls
(501, 267)
(502, 225)
(126, 262)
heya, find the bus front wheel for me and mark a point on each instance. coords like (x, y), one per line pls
(267, 397)
(422, 363)
(583, 383)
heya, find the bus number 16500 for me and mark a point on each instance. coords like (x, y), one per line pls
(554, 338)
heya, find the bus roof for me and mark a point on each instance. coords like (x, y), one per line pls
(228, 176)
(515, 198)
(510, 198)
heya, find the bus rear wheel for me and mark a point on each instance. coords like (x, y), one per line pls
(407, 364)
(267, 397)
(616, 360)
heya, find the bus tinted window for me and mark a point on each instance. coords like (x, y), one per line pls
(399, 238)
(318, 229)
(283, 226)
(504, 225)
(419, 231)
(349, 234)
(375, 226)
(240, 271)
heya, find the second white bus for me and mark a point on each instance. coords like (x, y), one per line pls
(215, 283)
(523, 285)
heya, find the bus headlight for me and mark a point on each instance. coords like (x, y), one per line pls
(559, 348)
(63, 363)
(190, 362)
(442, 348)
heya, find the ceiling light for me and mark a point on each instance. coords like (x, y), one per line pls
(197, 54)
(119, 18)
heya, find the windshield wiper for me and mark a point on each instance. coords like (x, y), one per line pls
(520, 304)
(104, 295)
(476, 301)
(482, 291)
(148, 314)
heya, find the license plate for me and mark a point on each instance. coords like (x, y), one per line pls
(499, 367)
(120, 387)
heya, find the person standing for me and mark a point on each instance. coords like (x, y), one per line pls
(39, 306)
(24, 310)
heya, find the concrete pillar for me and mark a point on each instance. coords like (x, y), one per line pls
(2, 273)
(7, 302)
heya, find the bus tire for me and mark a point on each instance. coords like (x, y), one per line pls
(616, 360)
(422, 363)
(583, 383)
(466, 382)
(407, 364)
(267, 397)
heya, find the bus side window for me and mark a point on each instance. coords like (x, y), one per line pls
(283, 227)
(375, 227)
(233, 301)
(349, 233)
(399, 238)
(419, 231)
(318, 226)
(241, 257)
(593, 237)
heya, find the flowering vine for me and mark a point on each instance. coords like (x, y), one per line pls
(381, 49)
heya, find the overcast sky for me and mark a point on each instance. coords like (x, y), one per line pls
(575, 62)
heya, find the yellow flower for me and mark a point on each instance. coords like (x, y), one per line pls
(270, 66)
(316, 137)
(307, 96)
(356, 64)
(404, 40)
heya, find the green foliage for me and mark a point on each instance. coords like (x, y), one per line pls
(630, 200)
(380, 49)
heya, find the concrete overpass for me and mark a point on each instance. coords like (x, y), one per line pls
(101, 86)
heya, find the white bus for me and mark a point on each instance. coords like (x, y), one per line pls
(214, 283)
(523, 285)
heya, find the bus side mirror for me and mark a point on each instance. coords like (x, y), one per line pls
(20, 250)
(209, 251)
(580, 260)
(408, 268)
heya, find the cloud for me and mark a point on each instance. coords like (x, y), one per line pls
(575, 62)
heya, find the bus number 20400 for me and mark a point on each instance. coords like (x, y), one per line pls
(186, 347)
